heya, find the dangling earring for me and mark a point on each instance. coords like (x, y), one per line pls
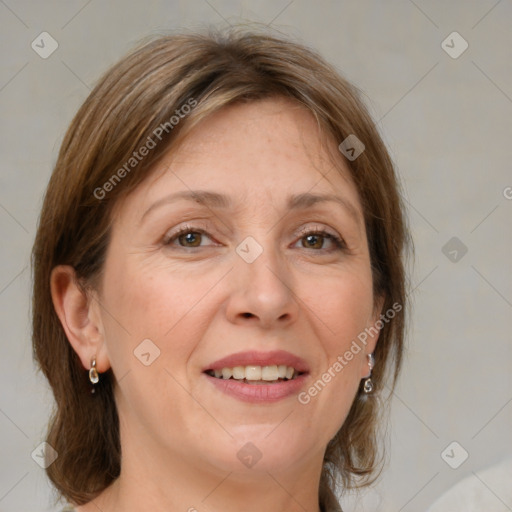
(93, 374)
(368, 384)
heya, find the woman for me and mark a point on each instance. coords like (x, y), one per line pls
(218, 282)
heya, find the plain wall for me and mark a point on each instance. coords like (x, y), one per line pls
(447, 122)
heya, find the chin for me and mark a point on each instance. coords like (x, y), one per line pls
(262, 448)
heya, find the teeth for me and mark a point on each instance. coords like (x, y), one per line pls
(270, 373)
(238, 372)
(227, 373)
(253, 372)
(256, 374)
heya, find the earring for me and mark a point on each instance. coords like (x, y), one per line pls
(93, 374)
(368, 384)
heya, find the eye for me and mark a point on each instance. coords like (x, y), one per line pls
(315, 238)
(187, 236)
(191, 237)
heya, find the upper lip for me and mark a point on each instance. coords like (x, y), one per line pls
(255, 358)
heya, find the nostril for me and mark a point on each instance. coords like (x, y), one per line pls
(247, 315)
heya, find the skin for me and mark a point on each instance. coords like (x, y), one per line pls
(179, 434)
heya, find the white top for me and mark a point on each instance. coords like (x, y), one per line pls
(486, 489)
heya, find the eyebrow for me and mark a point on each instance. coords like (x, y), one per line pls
(215, 200)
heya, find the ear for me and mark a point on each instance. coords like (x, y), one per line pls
(79, 314)
(373, 333)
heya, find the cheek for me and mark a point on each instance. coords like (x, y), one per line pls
(343, 305)
(343, 308)
(152, 322)
(351, 317)
(144, 302)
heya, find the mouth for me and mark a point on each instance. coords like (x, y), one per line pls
(256, 375)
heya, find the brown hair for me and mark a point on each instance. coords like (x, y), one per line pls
(139, 94)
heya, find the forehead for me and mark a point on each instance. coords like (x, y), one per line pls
(260, 152)
(258, 135)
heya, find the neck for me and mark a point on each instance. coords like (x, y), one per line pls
(156, 480)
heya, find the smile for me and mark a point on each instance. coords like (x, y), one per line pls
(253, 374)
(258, 377)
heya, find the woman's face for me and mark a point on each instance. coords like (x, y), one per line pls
(243, 281)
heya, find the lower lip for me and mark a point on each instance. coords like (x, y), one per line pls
(258, 393)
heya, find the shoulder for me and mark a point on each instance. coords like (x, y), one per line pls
(470, 495)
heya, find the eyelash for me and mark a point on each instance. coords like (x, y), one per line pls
(339, 243)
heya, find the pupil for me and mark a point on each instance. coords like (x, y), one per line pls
(313, 237)
(190, 238)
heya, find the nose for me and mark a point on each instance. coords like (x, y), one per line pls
(262, 292)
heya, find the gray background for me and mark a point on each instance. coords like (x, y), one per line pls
(447, 124)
